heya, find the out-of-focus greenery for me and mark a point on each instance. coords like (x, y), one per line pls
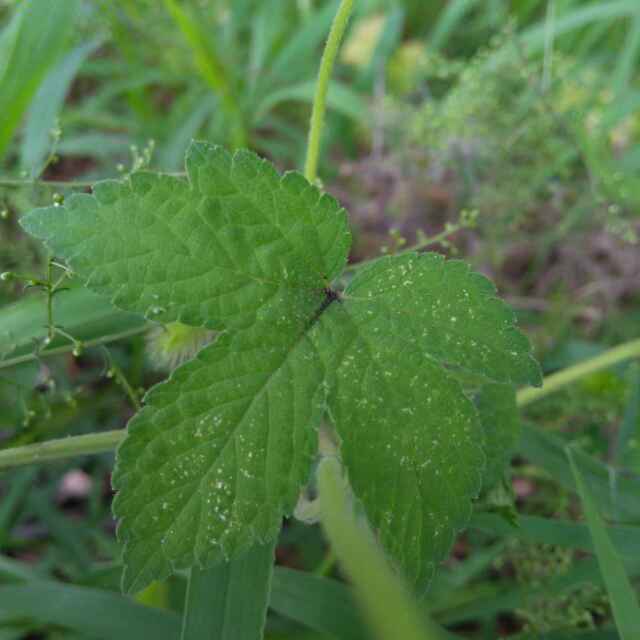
(525, 112)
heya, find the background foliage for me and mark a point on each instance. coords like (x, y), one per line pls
(509, 130)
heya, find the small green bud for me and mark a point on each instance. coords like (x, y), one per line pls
(175, 343)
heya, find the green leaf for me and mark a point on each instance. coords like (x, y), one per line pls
(624, 601)
(220, 451)
(34, 40)
(500, 420)
(412, 444)
(322, 604)
(46, 106)
(229, 602)
(411, 439)
(234, 244)
(447, 311)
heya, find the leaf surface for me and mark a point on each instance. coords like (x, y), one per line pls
(496, 404)
(234, 244)
(411, 439)
(447, 311)
(413, 446)
(219, 452)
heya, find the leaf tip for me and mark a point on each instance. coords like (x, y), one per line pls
(34, 222)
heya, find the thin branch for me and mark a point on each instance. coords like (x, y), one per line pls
(12, 362)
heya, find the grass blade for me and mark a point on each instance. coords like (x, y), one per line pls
(448, 21)
(321, 604)
(12, 499)
(536, 36)
(90, 612)
(211, 68)
(616, 493)
(286, 64)
(34, 40)
(629, 426)
(44, 110)
(229, 602)
(623, 599)
(509, 598)
(563, 533)
(340, 98)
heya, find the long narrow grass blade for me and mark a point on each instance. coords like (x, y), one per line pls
(622, 597)
(229, 602)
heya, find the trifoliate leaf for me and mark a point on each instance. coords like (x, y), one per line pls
(496, 404)
(233, 243)
(219, 452)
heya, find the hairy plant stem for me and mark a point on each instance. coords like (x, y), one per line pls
(99, 442)
(45, 353)
(389, 608)
(557, 381)
(61, 448)
(320, 100)
(423, 244)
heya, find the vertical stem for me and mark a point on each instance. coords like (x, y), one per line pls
(549, 27)
(229, 601)
(320, 101)
(50, 327)
(389, 608)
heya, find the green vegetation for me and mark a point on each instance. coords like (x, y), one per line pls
(334, 426)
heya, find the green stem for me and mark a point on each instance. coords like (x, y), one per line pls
(63, 184)
(426, 242)
(113, 337)
(320, 100)
(52, 184)
(388, 606)
(563, 378)
(60, 449)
